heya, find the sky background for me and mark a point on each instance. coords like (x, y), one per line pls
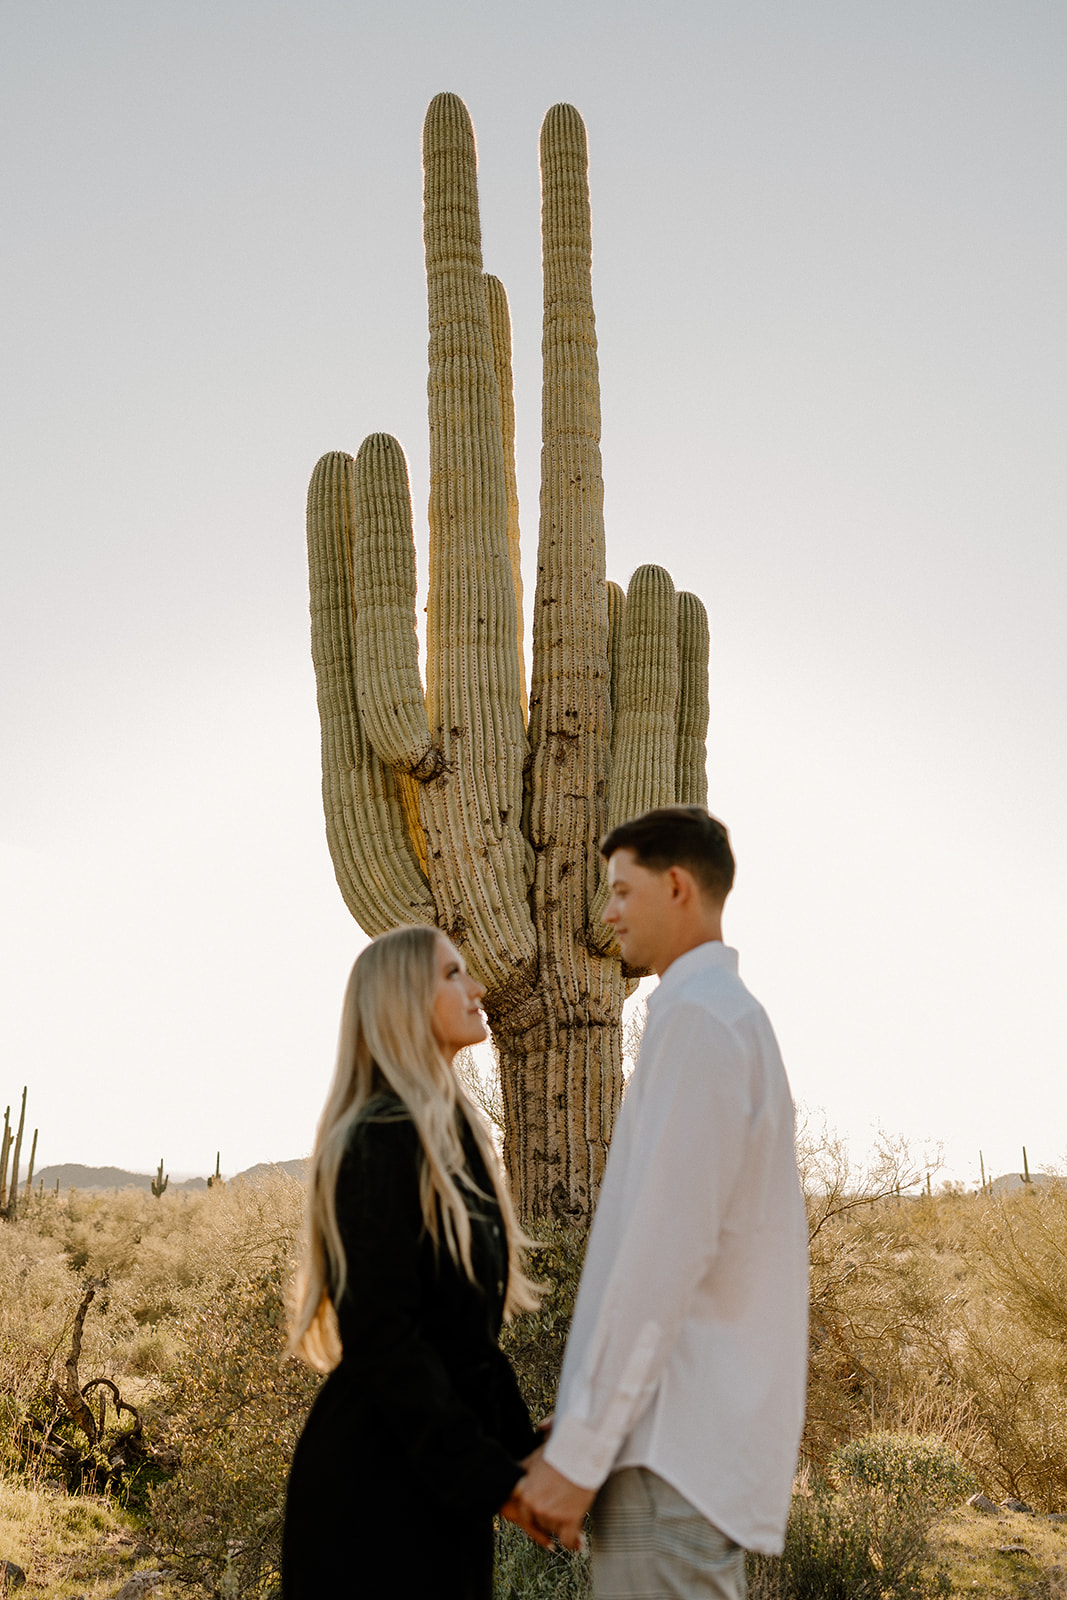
(830, 252)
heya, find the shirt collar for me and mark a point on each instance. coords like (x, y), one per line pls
(713, 953)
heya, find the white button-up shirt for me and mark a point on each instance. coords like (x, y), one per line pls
(688, 1349)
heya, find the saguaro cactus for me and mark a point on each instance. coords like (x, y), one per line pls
(440, 806)
(9, 1192)
(159, 1182)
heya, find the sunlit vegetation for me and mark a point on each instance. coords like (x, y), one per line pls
(938, 1330)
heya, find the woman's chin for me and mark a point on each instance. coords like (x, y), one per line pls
(470, 1038)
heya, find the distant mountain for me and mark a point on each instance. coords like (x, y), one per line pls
(292, 1169)
(1011, 1181)
(72, 1175)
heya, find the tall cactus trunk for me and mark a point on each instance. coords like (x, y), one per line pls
(562, 1086)
(16, 1157)
(563, 1076)
(5, 1151)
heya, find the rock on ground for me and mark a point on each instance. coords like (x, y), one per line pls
(140, 1585)
(982, 1502)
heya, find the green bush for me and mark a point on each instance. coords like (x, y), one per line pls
(903, 1466)
(858, 1546)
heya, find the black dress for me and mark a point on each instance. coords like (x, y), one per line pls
(414, 1439)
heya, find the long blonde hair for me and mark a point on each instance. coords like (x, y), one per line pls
(387, 1044)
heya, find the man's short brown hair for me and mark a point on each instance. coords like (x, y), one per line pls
(678, 836)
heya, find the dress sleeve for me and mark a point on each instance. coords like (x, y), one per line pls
(381, 1317)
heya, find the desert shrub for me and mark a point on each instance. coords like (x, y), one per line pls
(38, 1296)
(234, 1404)
(235, 1408)
(1011, 1355)
(854, 1546)
(944, 1315)
(903, 1467)
(157, 1250)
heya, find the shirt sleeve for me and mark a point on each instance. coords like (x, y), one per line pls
(382, 1323)
(655, 1235)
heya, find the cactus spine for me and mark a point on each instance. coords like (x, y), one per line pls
(428, 813)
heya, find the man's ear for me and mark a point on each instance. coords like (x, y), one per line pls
(682, 885)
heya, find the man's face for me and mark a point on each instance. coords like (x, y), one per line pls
(639, 909)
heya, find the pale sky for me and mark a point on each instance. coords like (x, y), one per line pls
(830, 256)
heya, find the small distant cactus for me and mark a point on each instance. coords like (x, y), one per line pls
(449, 806)
(217, 1181)
(9, 1188)
(5, 1151)
(159, 1182)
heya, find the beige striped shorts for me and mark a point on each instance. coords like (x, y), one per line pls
(649, 1543)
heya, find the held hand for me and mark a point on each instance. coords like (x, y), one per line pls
(514, 1510)
(552, 1501)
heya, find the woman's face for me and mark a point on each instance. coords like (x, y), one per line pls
(456, 1018)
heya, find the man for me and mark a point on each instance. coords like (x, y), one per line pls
(682, 1394)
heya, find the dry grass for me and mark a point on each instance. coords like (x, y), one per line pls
(977, 1553)
(69, 1546)
(943, 1316)
(948, 1315)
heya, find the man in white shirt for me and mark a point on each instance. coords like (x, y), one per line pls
(681, 1399)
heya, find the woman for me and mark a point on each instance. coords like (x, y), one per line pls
(411, 1259)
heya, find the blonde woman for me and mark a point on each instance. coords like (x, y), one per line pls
(411, 1259)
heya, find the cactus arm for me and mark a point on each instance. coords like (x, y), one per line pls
(375, 863)
(691, 765)
(570, 705)
(644, 736)
(644, 739)
(616, 632)
(389, 691)
(5, 1151)
(500, 329)
(597, 935)
(13, 1188)
(33, 1157)
(389, 694)
(473, 813)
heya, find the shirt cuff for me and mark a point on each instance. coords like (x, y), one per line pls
(583, 1456)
